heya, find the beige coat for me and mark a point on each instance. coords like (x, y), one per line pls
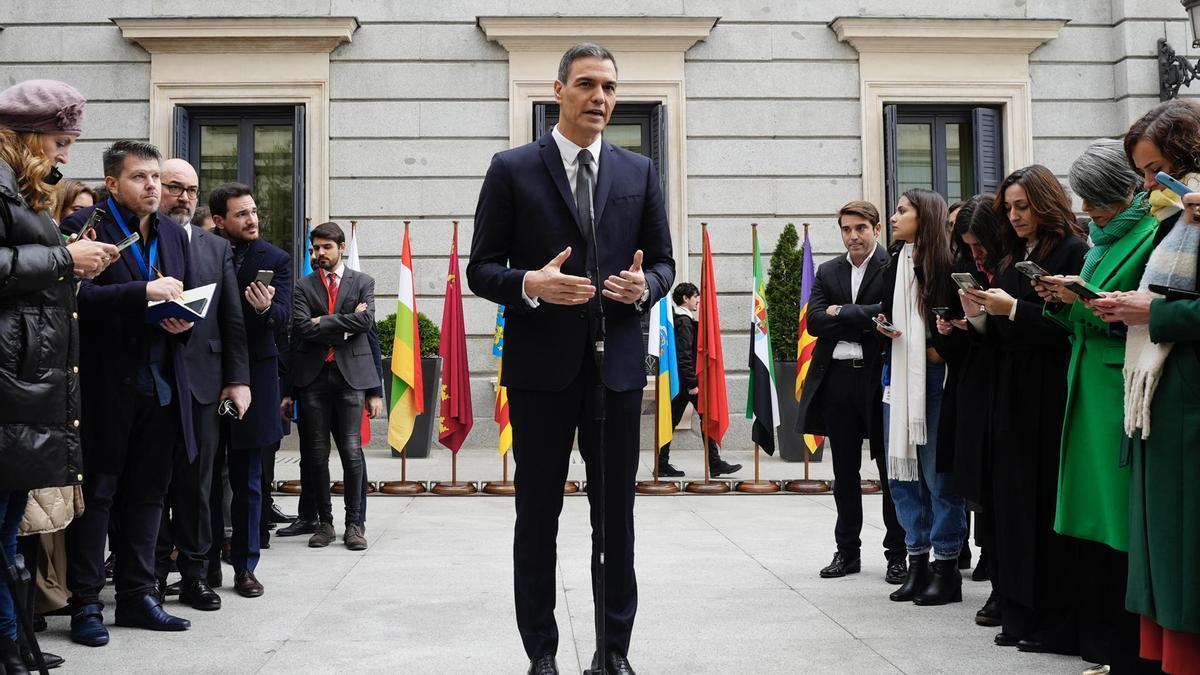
(51, 509)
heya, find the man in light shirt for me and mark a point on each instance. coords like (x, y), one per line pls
(841, 397)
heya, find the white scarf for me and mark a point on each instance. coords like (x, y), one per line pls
(906, 427)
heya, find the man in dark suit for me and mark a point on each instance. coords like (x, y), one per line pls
(264, 312)
(531, 253)
(330, 368)
(136, 399)
(218, 371)
(841, 398)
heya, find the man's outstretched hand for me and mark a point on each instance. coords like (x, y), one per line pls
(629, 286)
(549, 284)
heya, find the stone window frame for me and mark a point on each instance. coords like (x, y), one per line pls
(245, 61)
(650, 62)
(943, 61)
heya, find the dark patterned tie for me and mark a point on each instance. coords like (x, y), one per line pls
(585, 184)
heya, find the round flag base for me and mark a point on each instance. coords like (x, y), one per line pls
(807, 487)
(290, 487)
(707, 487)
(656, 487)
(454, 489)
(757, 487)
(870, 487)
(500, 487)
(571, 487)
(401, 487)
(339, 488)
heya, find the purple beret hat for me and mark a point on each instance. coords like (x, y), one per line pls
(44, 106)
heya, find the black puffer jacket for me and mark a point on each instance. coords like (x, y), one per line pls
(39, 349)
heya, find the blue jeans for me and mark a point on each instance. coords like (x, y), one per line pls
(932, 515)
(12, 509)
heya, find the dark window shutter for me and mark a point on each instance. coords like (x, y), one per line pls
(658, 149)
(541, 126)
(299, 180)
(891, 167)
(182, 138)
(989, 152)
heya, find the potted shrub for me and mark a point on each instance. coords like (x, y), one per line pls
(783, 301)
(431, 374)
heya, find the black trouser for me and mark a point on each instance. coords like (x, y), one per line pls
(544, 426)
(1108, 633)
(678, 405)
(186, 523)
(330, 406)
(843, 391)
(133, 500)
(305, 510)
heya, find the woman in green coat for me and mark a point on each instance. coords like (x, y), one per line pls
(1093, 487)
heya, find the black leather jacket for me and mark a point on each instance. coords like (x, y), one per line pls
(39, 349)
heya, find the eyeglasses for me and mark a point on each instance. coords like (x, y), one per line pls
(175, 189)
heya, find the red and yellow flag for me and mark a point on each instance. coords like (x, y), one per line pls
(805, 342)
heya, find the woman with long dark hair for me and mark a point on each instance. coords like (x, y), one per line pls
(1031, 565)
(916, 280)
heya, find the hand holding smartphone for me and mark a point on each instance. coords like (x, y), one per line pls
(885, 326)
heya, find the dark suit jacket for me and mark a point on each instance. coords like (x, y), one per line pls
(113, 337)
(311, 342)
(262, 424)
(852, 324)
(216, 352)
(526, 215)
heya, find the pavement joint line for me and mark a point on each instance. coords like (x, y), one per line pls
(562, 584)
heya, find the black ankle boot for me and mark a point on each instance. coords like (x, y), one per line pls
(945, 585)
(10, 657)
(915, 581)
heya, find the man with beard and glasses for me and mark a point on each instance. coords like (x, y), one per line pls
(244, 439)
(219, 370)
(330, 369)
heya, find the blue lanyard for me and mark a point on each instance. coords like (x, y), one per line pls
(138, 252)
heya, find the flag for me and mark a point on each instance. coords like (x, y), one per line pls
(805, 342)
(501, 414)
(306, 265)
(710, 359)
(351, 261)
(661, 345)
(762, 403)
(454, 415)
(408, 392)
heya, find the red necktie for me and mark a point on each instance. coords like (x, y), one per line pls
(332, 288)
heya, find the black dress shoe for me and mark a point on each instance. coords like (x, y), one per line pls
(167, 590)
(147, 612)
(841, 566)
(666, 470)
(109, 564)
(276, 515)
(720, 468)
(1003, 639)
(52, 661)
(897, 570)
(915, 580)
(1034, 647)
(543, 665)
(198, 594)
(989, 614)
(615, 664)
(944, 587)
(297, 528)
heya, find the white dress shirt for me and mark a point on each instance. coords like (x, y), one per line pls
(845, 351)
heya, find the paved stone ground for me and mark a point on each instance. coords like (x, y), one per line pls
(727, 583)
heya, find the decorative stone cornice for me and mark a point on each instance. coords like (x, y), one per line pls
(197, 35)
(618, 33)
(933, 35)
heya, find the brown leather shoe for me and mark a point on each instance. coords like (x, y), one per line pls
(354, 539)
(323, 536)
(247, 585)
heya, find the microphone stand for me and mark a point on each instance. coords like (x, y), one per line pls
(598, 334)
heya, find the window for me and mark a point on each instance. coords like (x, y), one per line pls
(637, 127)
(953, 150)
(261, 146)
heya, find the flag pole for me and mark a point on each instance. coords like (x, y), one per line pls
(403, 486)
(807, 485)
(707, 486)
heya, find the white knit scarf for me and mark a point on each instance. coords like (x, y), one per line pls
(906, 426)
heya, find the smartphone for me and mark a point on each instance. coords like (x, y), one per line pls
(129, 241)
(884, 324)
(1031, 269)
(1082, 291)
(966, 281)
(1174, 293)
(1164, 179)
(264, 277)
(942, 312)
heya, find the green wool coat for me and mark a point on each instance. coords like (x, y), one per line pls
(1093, 487)
(1164, 493)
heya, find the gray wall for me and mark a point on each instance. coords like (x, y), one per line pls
(419, 104)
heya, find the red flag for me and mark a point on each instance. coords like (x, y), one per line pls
(454, 415)
(710, 360)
